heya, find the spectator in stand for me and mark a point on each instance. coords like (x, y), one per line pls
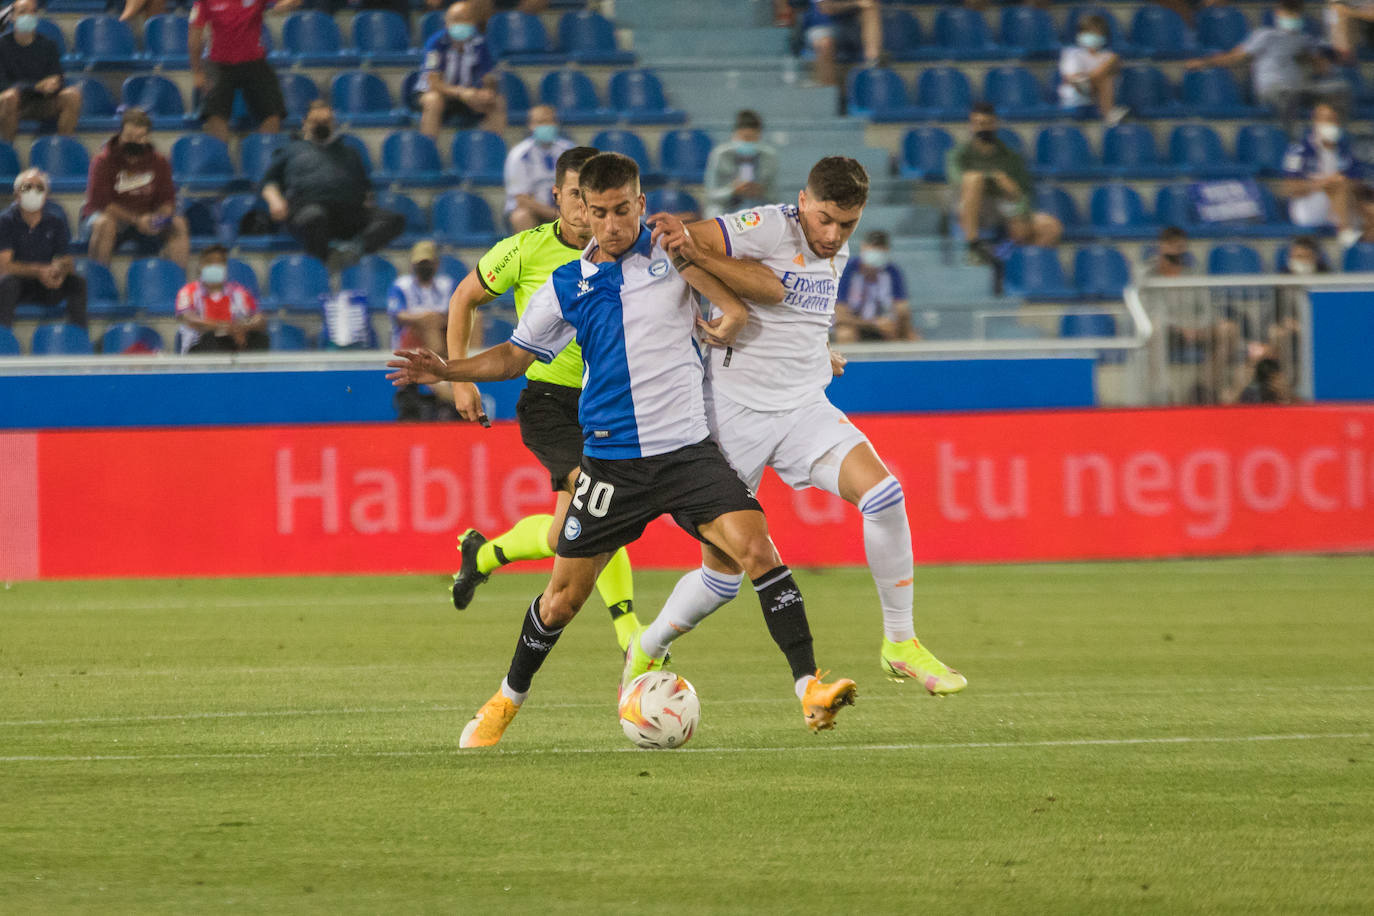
(741, 171)
(216, 315)
(1349, 27)
(1288, 67)
(236, 61)
(34, 264)
(31, 80)
(1087, 72)
(1171, 257)
(418, 302)
(843, 31)
(457, 85)
(529, 171)
(872, 303)
(992, 185)
(318, 186)
(130, 198)
(1305, 257)
(1321, 175)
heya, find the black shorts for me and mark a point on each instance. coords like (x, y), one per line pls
(257, 79)
(614, 500)
(457, 113)
(550, 430)
(36, 106)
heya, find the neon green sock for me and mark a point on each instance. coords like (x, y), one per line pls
(528, 539)
(616, 586)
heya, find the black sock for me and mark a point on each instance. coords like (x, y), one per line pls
(535, 644)
(785, 613)
(621, 608)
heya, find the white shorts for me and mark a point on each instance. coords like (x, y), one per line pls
(1311, 210)
(791, 442)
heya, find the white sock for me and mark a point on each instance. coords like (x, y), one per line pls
(802, 684)
(694, 598)
(512, 695)
(887, 545)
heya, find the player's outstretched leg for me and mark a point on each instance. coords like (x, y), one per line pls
(695, 597)
(528, 539)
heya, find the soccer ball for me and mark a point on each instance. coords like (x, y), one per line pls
(659, 710)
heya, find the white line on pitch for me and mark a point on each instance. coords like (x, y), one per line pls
(927, 746)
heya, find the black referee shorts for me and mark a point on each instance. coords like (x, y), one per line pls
(547, 414)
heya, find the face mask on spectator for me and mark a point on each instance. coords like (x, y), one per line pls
(1091, 40)
(133, 150)
(1302, 267)
(424, 271)
(873, 257)
(26, 22)
(985, 136)
(461, 31)
(545, 133)
(213, 274)
(1172, 258)
(32, 201)
(1289, 23)
(1329, 133)
(321, 130)
(746, 148)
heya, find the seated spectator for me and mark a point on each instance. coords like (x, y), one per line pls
(992, 185)
(741, 171)
(872, 302)
(1288, 67)
(34, 264)
(31, 82)
(318, 186)
(1268, 385)
(843, 31)
(216, 315)
(457, 85)
(418, 302)
(529, 171)
(1087, 72)
(1321, 174)
(130, 198)
(236, 62)
(1171, 257)
(1305, 257)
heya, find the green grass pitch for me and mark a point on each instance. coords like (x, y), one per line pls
(1136, 738)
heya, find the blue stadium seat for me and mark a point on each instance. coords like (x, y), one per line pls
(1263, 146)
(105, 43)
(285, 337)
(1146, 91)
(517, 96)
(671, 200)
(1028, 33)
(431, 24)
(361, 148)
(944, 94)
(417, 223)
(242, 273)
(962, 34)
(1116, 211)
(411, 159)
(382, 39)
(297, 90)
(1116, 38)
(374, 276)
(53, 32)
(902, 36)
(496, 331)
(1092, 324)
(152, 285)
(311, 39)
(1058, 203)
(361, 99)
(1160, 33)
(573, 95)
(97, 107)
(1214, 93)
(9, 344)
(1036, 274)
(1359, 258)
(478, 157)
(64, 159)
(230, 214)
(519, 38)
(255, 153)
(589, 38)
(200, 214)
(129, 337)
(628, 143)
(463, 219)
(455, 268)
(923, 153)
(1232, 258)
(1016, 94)
(1195, 150)
(1012, 139)
(296, 282)
(201, 162)
(683, 154)
(102, 296)
(158, 96)
(879, 94)
(1173, 206)
(165, 42)
(1220, 28)
(60, 340)
(1063, 152)
(9, 166)
(1100, 272)
(1129, 151)
(638, 97)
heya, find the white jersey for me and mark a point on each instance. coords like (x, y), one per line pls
(530, 169)
(781, 359)
(635, 320)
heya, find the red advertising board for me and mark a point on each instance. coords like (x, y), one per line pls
(388, 498)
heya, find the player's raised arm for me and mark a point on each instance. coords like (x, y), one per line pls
(722, 331)
(425, 367)
(702, 243)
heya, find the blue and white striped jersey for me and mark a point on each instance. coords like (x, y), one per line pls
(641, 368)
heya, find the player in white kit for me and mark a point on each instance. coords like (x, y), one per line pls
(766, 404)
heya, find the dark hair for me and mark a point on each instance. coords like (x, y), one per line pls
(608, 171)
(1291, 6)
(840, 180)
(983, 108)
(1095, 22)
(1172, 234)
(133, 116)
(214, 249)
(748, 119)
(572, 160)
(1308, 242)
(878, 237)
(1267, 369)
